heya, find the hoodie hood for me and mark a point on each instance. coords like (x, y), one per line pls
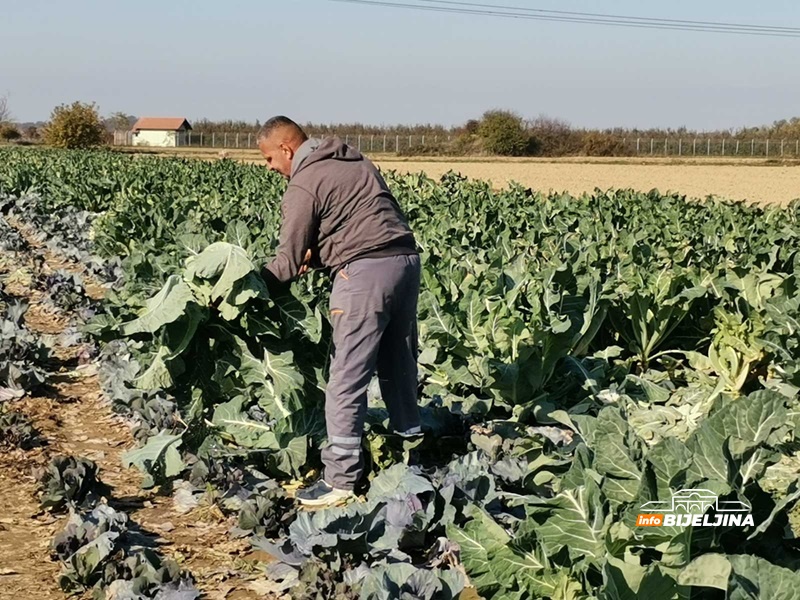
(314, 150)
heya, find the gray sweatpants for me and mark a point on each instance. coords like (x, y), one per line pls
(374, 316)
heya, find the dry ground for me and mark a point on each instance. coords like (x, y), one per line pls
(75, 419)
(770, 184)
(757, 180)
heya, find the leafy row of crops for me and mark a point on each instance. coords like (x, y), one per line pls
(100, 549)
(580, 358)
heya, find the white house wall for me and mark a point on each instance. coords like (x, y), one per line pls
(156, 138)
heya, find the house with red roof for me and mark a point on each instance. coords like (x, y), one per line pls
(163, 132)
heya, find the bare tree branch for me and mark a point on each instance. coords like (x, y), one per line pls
(5, 112)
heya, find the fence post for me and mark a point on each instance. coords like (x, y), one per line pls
(694, 147)
(213, 140)
(201, 139)
(409, 143)
(423, 141)
(359, 142)
(397, 144)
(248, 140)
(652, 146)
(384, 143)
(737, 147)
(680, 146)
(225, 140)
(767, 147)
(797, 148)
(637, 145)
(708, 150)
(723, 146)
(753, 148)
(237, 139)
(782, 147)
(371, 139)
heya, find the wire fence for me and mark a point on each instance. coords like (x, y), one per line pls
(408, 144)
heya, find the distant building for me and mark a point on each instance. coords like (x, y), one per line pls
(164, 132)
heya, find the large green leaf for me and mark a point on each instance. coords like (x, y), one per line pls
(479, 540)
(246, 432)
(720, 442)
(398, 480)
(291, 454)
(743, 577)
(754, 578)
(671, 460)
(709, 570)
(514, 568)
(167, 306)
(578, 521)
(276, 375)
(610, 439)
(223, 262)
(160, 450)
(157, 376)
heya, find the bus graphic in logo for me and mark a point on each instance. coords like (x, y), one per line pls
(694, 507)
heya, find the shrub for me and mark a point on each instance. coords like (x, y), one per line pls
(596, 143)
(9, 133)
(556, 137)
(504, 133)
(75, 126)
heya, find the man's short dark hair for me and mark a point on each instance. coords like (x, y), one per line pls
(275, 123)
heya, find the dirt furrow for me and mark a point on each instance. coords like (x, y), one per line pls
(76, 419)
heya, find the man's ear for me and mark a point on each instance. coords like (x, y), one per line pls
(287, 150)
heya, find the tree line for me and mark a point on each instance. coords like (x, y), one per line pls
(496, 132)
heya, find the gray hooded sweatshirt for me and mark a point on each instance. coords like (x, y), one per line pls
(338, 205)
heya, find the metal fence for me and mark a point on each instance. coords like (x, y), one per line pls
(687, 147)
(763, 148)
(247, 140)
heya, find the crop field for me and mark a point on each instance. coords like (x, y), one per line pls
(609, 386)
(753, 180)
(742, 180)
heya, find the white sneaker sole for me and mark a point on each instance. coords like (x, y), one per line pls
(333, 499)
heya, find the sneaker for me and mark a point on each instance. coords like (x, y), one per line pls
(323, 494)
(415, 433)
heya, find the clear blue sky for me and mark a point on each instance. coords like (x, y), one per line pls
(321, 61)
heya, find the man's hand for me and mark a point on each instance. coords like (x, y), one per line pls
(306, 262)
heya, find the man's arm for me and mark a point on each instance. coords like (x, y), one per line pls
(299, 230)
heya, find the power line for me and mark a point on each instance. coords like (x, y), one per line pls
(648, 20)
(605, 20)
(621, 22)
(589, 20)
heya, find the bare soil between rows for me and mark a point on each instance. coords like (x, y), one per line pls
(74, 418)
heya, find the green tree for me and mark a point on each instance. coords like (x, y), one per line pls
(77, 125)
(503, 132)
